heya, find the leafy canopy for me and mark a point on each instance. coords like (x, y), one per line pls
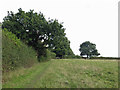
(89, 49)
(33, 29)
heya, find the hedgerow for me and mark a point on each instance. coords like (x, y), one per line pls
(15, 53)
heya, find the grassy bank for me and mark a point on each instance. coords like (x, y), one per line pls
(15, 53)
(66, 73)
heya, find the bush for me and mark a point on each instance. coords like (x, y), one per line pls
(48, 56)
(15, 53)
(53, 55)
(72, 57)
(77, 57)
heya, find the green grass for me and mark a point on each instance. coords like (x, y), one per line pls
(66, 73)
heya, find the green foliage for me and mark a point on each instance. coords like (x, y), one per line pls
(72, 57)
(33, 29)
(77, 57)
(47, 56)
(106, 58)
(89, 49)
(15, 53)
(53, 55)
(12, 37)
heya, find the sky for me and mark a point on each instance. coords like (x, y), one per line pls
(85, 20)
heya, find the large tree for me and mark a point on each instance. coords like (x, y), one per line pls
(89, 49)
(33, 29)
(28, 26)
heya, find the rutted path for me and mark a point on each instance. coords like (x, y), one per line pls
(39, 74)
(66, 74)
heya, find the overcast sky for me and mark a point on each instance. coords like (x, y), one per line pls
(85, 20)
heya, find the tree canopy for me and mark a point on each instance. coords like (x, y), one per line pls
(89, 49)
(33, 29)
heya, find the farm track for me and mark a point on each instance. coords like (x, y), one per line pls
(38, 75)
(66, 73)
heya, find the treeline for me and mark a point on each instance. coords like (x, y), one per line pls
(29, 38)
(110, 58)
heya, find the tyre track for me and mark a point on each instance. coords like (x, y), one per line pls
(37, 77)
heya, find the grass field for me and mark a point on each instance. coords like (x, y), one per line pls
(65, 73)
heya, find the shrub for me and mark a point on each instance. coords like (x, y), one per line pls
(48, 56)
(15, 53)
(77, 57)
(53, 55)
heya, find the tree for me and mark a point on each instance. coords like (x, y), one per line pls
(89, 49)
(62, 48)
(57, 41)
(33, 29)
(29, 26)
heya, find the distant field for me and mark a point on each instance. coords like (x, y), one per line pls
(65, 73)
